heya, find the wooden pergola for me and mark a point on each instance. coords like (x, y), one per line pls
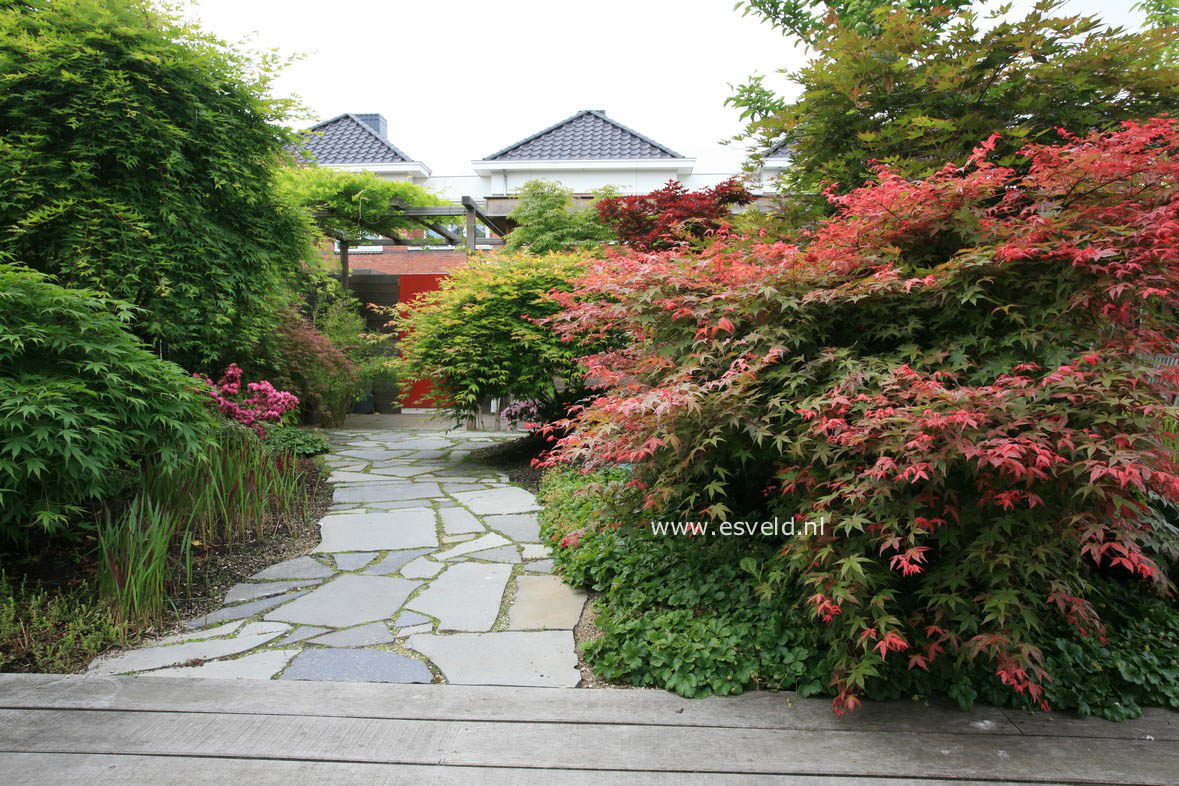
(427, 217)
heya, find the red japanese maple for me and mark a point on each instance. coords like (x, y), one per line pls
(671, 216)
(956, 373)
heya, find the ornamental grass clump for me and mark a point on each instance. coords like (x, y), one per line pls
(952, 373)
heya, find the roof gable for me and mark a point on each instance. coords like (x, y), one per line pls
(587, 135)
(346, 139)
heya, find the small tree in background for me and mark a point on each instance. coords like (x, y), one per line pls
(920, 89)
(477, 336)
(139, 159)
(810, 20)
(548, 220)
(672, 216)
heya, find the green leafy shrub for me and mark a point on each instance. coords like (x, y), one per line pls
(548, 220)
(476, 336)
(297, 441)
(82, 403)
(139, 160)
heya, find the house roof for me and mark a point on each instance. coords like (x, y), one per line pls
(346, 139)
(779, 150)
(587, 135)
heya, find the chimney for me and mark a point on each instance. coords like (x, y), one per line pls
(377, 123)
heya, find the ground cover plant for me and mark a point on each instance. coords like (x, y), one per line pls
(952, 373)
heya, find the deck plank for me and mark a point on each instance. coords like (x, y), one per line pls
(591, 746)
(459, 702)
(55, 769)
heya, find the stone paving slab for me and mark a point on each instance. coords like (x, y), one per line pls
(421, 568)
(252, 635)
(354, 560)
(404, 529)
(465, 596)
(497, 501)
(393, 562)
(349, 600)
(456, 521)
(489, 541)
(360, 636)
(356, 665)
(243, 610)
(520, 527)
(241, 592)
(259, 666)
(298, 568)
(545, 603)
(540, 658)
(386, 492)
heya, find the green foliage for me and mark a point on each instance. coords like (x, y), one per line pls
(48, 631)
(133, 560)
(354, 204)
(297, 441)
(548, 220)
(916, 96)
(1162, 13)
(82, 402)
(139, 160)
(809, 20)
(475, 337)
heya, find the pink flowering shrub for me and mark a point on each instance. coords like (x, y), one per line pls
(260, 403)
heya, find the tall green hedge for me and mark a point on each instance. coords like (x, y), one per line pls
(139, 159)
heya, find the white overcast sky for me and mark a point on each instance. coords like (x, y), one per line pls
(459, 79)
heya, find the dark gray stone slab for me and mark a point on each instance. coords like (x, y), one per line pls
(393, 562)
(356, 665)
(297, 568)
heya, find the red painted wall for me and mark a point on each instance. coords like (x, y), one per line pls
(410, 286)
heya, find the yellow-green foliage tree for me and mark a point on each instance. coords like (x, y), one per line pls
(477, 336)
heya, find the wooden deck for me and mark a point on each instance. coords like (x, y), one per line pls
(159, 731)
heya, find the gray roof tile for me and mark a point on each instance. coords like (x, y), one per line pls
(587, 135)
(347, 139)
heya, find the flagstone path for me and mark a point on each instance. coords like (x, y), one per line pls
(428, 570)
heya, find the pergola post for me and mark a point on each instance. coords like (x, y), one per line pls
(344, 265)
(470, 226)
